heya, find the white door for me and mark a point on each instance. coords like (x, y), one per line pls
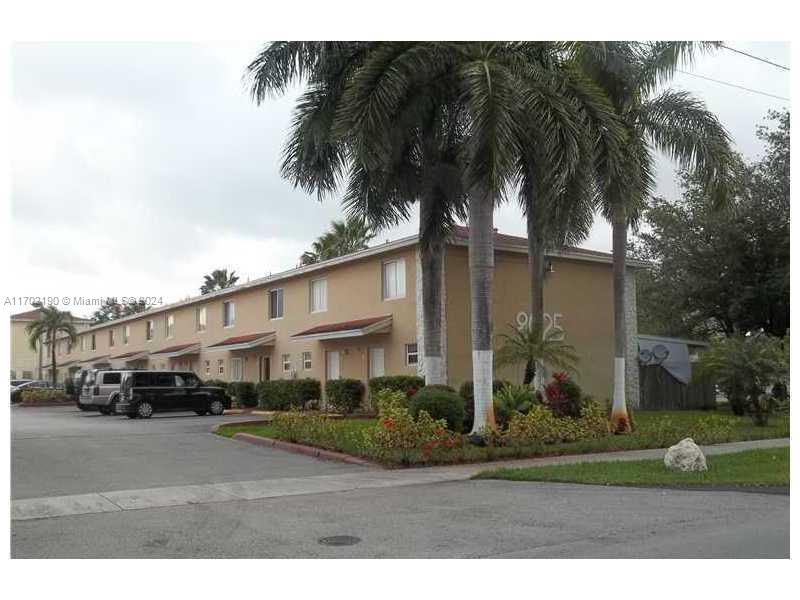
(333, 364)
(376, 367)
(236, 369)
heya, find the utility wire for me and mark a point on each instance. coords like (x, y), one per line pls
(754, 57)
(733, 85)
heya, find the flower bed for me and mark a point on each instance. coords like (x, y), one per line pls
(45, 397)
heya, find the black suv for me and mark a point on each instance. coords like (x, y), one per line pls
(146, 392)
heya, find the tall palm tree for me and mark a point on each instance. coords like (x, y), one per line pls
(218, 280)
(50, 323)
(343, 238)
(672, 122)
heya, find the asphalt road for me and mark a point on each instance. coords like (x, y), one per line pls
(445, 519)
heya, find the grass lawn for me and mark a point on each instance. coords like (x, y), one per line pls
(768, 467)
(650, 433)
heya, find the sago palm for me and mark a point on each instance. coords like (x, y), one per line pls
(530, 345)
(674, 123)
(50, 324)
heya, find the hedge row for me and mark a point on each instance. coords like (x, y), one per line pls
(283, 394)
(408, 384)
(244, 392)
(345, 395)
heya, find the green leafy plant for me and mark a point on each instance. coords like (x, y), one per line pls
(44, 397)
(283, 394)
(244, 392)
(531, 346)
(345, 395)
(440, 402)
(510, 399)
(563, 396)
(408, 384)
(466, 391)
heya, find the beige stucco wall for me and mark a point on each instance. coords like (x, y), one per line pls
(579, 291)
(24, 360)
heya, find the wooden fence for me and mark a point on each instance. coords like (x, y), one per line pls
(659, 390)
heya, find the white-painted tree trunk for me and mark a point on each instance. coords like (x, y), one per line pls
(482, 361)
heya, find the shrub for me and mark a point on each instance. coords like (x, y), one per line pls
(69, 386)
(510, 399)
(408, 384)
(244, 392)
(440, 402)
(467, 392)
(44, 396)
(345, 395)
(594, 421)
(563, 396)
(539, 426)
(216, 383)
(283, 394)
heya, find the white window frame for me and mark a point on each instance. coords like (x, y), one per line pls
(232, 322)
(220, 366)
(286, 363)
(237, 369)
(149, 330)
(307, 362)
(409, 353)
(208, 367)
(278, 294)
(126, 334)
(395, 290)
(200, 319)
(311, 284)
(169, 326)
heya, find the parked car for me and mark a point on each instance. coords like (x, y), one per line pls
(100, 390)
(26, 384)
(146, 392)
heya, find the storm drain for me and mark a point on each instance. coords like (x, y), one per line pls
(339, 540)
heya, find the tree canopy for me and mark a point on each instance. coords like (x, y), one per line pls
(218, 280)
(342, 238)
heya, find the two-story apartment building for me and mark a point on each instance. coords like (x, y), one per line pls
(360, 316)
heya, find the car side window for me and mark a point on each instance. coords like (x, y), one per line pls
(143, 379)
(185, 380)
(112, 378)
(165, 380)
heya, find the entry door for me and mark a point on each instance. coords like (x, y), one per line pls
(333, 364)
(376, 365)
(236, 369)
(263, 370)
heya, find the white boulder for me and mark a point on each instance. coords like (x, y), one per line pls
(685, 456)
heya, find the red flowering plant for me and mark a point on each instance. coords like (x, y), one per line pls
(563, 396)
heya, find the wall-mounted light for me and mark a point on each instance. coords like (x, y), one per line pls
(549, 268)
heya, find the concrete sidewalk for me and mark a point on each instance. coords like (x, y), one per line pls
(366, 478)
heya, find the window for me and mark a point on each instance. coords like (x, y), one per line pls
(318, 292)
(200, 318)
(69, 346)
(165, 380)
(412, 355)
(236, 369)
(110, 338)
(286, 359)
(376, 362)
(112, 378)
(186, 381)
(307, 361)
(228, 314)
(394, 279)
(276, 304)
(221, 366)
(208, 367)
(94, 343)
(169, 326)
(126, 334)
(151, 329)
(27, 374)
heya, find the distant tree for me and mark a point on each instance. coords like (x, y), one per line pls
(112, 309)
(218, 280)
(50, 323)
(721, 271)
(342, 238)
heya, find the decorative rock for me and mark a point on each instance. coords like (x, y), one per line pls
(685, 456)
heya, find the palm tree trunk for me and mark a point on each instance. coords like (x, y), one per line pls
(481, 267)
(536, 275)
(619, 234)
(432, 266)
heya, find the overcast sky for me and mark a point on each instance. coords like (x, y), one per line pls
(137, 168)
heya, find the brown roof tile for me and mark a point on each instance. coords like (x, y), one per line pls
(241, 339)
(343, 326)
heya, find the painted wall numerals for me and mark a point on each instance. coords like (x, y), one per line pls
(551, 324)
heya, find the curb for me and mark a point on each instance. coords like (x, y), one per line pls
(216, 428)
(302, 449)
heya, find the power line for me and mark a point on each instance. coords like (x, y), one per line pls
(733, 85)
(754, 57)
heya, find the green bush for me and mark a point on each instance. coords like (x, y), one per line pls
(44, 396)
(408, 384)
(244, 392)
(283, 394)
(466, 391)
(345, 395)
(216, 383)
(512, 399)
(440, 402)
(69, 386)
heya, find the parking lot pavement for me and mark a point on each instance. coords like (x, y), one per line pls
(464, 519)
(61, 451)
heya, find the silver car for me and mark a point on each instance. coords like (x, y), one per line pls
(100, 390)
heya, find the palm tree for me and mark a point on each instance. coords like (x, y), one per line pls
(218, 280)
(343, 238)
(674, 123)
(530, 345)
(50, 323)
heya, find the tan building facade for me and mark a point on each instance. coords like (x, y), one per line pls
(358, 317)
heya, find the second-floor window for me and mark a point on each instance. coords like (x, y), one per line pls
(276, 304)
(318, 295)
(228, 314)
(169, 326)
(200, 318)
(110, 338)
(151, 329)
(126, 334)
(94, 342)
(394, 279)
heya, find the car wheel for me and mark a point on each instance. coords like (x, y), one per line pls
(144, 410)
(216, 407)
(104, 410)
